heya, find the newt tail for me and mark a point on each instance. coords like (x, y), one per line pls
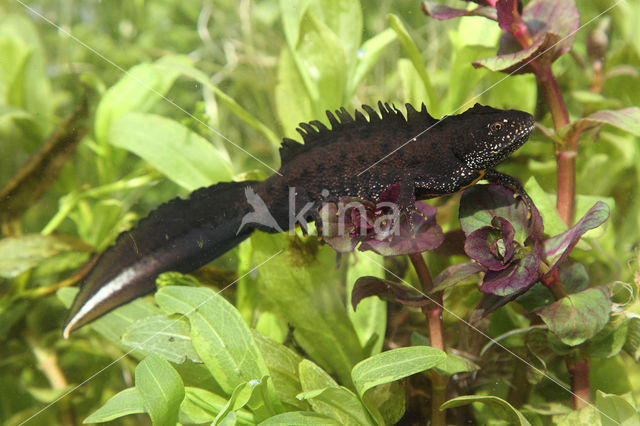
(181, 235)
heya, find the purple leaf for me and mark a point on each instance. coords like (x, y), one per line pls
(552, 24)
(454, 274)
(572, 275)
(505, 13)
(492, 246)
(519, 276)
(427, 235)
(578, 317)
(372, 286)
(515, 62)
(481, 203)
(556, 249)
(441, 12)
(627, 119)
(559, 17)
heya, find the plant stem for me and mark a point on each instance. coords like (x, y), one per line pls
(566, 153)
(433, 313)
(578, 366)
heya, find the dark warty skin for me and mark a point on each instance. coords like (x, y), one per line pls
(357, 157)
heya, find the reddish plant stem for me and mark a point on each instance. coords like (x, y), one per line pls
(432, 311)
(433, 314)
(577, 363)
(566, 154)
(578, 366)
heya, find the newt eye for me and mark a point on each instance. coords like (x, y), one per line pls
(495, 127)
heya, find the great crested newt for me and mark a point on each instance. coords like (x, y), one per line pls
(357, 157)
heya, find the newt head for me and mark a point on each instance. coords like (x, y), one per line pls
(491, 135)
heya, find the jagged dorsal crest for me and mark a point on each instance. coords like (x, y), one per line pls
(387, 116)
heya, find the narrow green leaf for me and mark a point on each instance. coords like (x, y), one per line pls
(221, 338)
(344, 405)
(502, 408)
(615, 410)
(121, 404)
(394, 365)
(162, 336)
(160, 388)
(456, 364)
(239, 398)
(314, 377)
(299, 418)
(282, 363)
(414, 55)
(19, 254)
(627, 119)
(190, 71)
(367, 56)
(139, 90)
(370, 319)
(202, 406)
(303, 287)
(180, 154)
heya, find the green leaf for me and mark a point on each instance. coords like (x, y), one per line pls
(139, 90)
(282, 363)
(367, 57)
(272, 326)
(291, 107)
(19, 254)
(627, 120)
(502, 408)
(584, 416)
(314, 377)
(610, 340)
(221, 338)
(160, 388)
(455, 364)
(394, 365)
(121, 404)
(553, 224)
(414, 55)
(24, 69)
(632, 344)
(303, 287)
(190, 71)
(239, 398)
(370, 319)
(180, 154)
(344, 405)
(162, 336)
(11, 311)
(202, 406)
(578, 317)
(387, 402)
(299, 418)
(615, 410)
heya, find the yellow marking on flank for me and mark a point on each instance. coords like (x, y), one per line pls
(482, 172)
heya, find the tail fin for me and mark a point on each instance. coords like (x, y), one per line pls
(181, 235)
